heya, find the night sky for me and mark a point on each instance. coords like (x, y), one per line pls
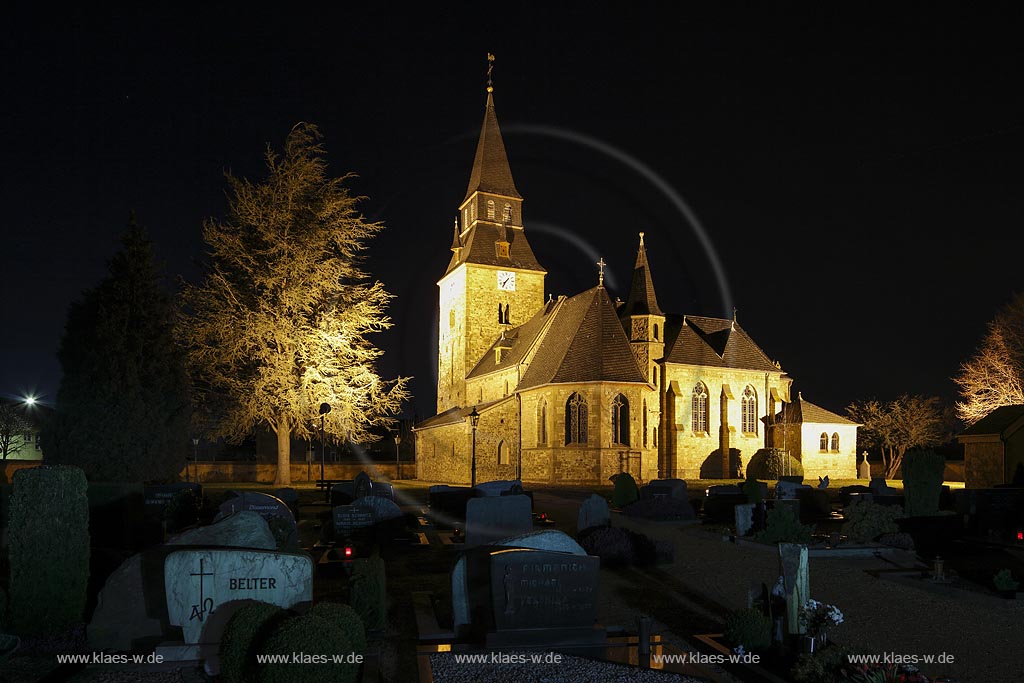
(859, 177)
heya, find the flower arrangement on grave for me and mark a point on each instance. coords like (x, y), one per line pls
(816, 617)
(884, 673)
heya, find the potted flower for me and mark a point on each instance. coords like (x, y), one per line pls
(1005, 583)
(816, 617)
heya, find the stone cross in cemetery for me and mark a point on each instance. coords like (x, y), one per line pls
(491, 519)
(198, 582)
(796, 581)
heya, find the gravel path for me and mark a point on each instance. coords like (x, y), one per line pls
(569, 669)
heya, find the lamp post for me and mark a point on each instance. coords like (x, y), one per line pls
(474, 420)
(398, 462)
(195, 458)
(324, 409)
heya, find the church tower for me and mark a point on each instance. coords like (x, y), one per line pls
(642, 317)
(493, 281)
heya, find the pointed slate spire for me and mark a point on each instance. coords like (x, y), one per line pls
(642, 300)
(491, 172)
(457, 239)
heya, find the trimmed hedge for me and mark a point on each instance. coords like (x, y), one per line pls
(867, 520)
(625, 491)
(345, 618)
(750, 628)
(773, 463)
(48, 549)
(923, 470)
(783, 526)
(308, 635)
(368, 592)
(243, 634)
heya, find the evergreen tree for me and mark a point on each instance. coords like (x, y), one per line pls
(122, 410)
(280, 323)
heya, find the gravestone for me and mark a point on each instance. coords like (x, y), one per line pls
(351, 518)
(548, 539)
(796, 581)
(382, 509)
(343, 492)
(880, 488)
(448, 504)
(847, 494)
(814, 504)
(492, 519)
(289, 497)
(131, 610)
(786, 490)
(823, 482)
(744, 519)
(720, 501)
(593, 512)
(200, 581)
(498, 487)
(157, 496)
(383, 489)
(266, 506)
(671, 488)
(864, 469)
(524, 597)
(362, 485)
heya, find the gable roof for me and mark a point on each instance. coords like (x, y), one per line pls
(997, 422)
(715, 342)
(802, 411)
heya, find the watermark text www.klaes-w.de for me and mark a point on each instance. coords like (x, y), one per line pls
(509, 658)
(902, 658)
(109, 658)
(310, 658)
(705, 658)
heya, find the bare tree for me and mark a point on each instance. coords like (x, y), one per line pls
(279, 324)
(14, 426)
(899, 425)
(994, 376)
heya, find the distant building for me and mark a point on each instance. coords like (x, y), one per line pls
(994, 447)
(572, 390)
(823, 442)
(20, 430)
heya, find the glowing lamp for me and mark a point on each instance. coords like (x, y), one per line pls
(1020, 535)
(348, 551)
(30, 400)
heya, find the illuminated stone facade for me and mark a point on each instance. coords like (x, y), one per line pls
(576, 389)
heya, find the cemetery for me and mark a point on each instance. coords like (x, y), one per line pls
(403, 576)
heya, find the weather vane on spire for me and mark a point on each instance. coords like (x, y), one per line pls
(600, 275)
(490, 68)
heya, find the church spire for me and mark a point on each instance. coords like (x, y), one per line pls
(642, 300)
(491, 172)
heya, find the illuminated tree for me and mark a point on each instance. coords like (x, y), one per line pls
(122, 407)
(899, 425)
(279, 324)
(13, 427)
(994, 376)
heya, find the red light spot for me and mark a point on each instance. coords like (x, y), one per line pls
(348, 552)
(543, 515)
(1020, 535)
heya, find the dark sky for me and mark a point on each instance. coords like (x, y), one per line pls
(860, 176)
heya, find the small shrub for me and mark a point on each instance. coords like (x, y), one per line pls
(1004, 581)
(752, 489)
(346, 619)
(243, 634)
(312, 636)
(750, 628)
(182, 511)
(782, 526)
(368, 592)
(625, 491)
(923, 470)
(611, 544)
(823, 666)
(866, 520)
(772, 463)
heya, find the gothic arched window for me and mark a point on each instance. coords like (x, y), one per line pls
(749, 410)
(700, 409)
(620, 420)
(643, 407)
(823, 442)
(542, 422)
(835, 442)
(576, 419)
(502, 453)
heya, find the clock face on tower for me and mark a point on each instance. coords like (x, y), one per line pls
(507, 280)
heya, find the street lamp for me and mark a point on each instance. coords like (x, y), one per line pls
(324, 409)
(195, 458)
(474, 420)
(398, 462)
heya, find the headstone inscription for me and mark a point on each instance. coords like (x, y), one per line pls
(199, 581)
(157, 496)
(671, 488)
(492, 519)
(383, 489)
(786, 490)
(381, 508)
(350, 518)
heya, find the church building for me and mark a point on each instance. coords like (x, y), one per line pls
(572, 390)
